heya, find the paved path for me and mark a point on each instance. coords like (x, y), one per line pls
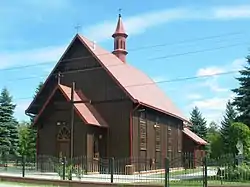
(117, 178)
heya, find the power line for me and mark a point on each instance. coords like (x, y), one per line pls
(131, 50)
(156, 58)
(199, 51)
(168, 81)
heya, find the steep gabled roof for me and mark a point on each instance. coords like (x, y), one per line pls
(194, 137)
(138, 86)
(85, 111)
(136, 83)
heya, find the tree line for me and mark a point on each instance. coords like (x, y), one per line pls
(222, 138)
(16, 138)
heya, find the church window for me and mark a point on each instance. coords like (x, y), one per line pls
(169, 138)
(63, 134)
(116, 44)
(120, 47)
(179, 139)
(143, 135)
(142, 116)
(158, 138)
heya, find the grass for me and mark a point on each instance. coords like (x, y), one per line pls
(192, 183)
(178, 172)
(9, 184)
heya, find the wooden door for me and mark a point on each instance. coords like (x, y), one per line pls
(63, 147)
(90, 145)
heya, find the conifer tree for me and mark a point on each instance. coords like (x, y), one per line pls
(228, 119)
(198, 123)
(36, 92)
(8, 125)
(242, 100)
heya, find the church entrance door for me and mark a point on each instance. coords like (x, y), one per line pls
(63, 142)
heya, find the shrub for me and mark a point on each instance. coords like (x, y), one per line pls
(237, 173)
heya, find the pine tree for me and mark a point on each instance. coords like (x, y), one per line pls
(228, 119)
(198, 123)
(39, 87)
(8, 125)
(242, 100)
(14, 138)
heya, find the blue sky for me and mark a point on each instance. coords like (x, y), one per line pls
(37, 31)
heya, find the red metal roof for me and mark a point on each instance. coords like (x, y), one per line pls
(136, 83)
(85, 110)
(119, 27)
(194, 137)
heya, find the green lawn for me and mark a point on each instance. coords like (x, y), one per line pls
(178, 172)
(197, 183)
(11, 184)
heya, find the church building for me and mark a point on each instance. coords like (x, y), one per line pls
(96, 104)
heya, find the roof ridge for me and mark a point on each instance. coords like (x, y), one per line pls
(163, 103)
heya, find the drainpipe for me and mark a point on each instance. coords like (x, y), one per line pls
(131, 129)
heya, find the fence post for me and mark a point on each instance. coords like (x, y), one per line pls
(205, 172)
(23, 164)
(111, 166)
(166, 172)
(64, 167)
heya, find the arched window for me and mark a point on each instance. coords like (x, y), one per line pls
(63, 134)
(120, 47)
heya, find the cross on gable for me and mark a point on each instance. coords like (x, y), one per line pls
(77, 27)
(58, 76)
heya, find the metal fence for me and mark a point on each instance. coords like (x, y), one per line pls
(182, 170)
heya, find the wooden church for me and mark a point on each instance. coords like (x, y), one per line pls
(95, 104)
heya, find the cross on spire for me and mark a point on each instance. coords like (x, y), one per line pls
(120, 12)
(78, 27)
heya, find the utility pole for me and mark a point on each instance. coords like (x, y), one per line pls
(72, 126)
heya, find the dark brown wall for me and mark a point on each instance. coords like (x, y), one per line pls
(97, 85)
(188, 144)
(167, 147)
(48, 130)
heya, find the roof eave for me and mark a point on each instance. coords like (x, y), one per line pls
(28, 110)
(165, 112)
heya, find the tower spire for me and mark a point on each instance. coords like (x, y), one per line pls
(120, 40)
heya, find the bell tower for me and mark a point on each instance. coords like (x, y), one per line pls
(120, 41)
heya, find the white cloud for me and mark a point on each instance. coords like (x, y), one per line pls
(212, 81)
(21, 106)
(213, 85)
(209, 71)
(238, 64)
(232, 12)
(159, 78)
(212, 108)
(140, 23)
(135, 24)
(20, 58)
(193, 96)
(214, 103)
